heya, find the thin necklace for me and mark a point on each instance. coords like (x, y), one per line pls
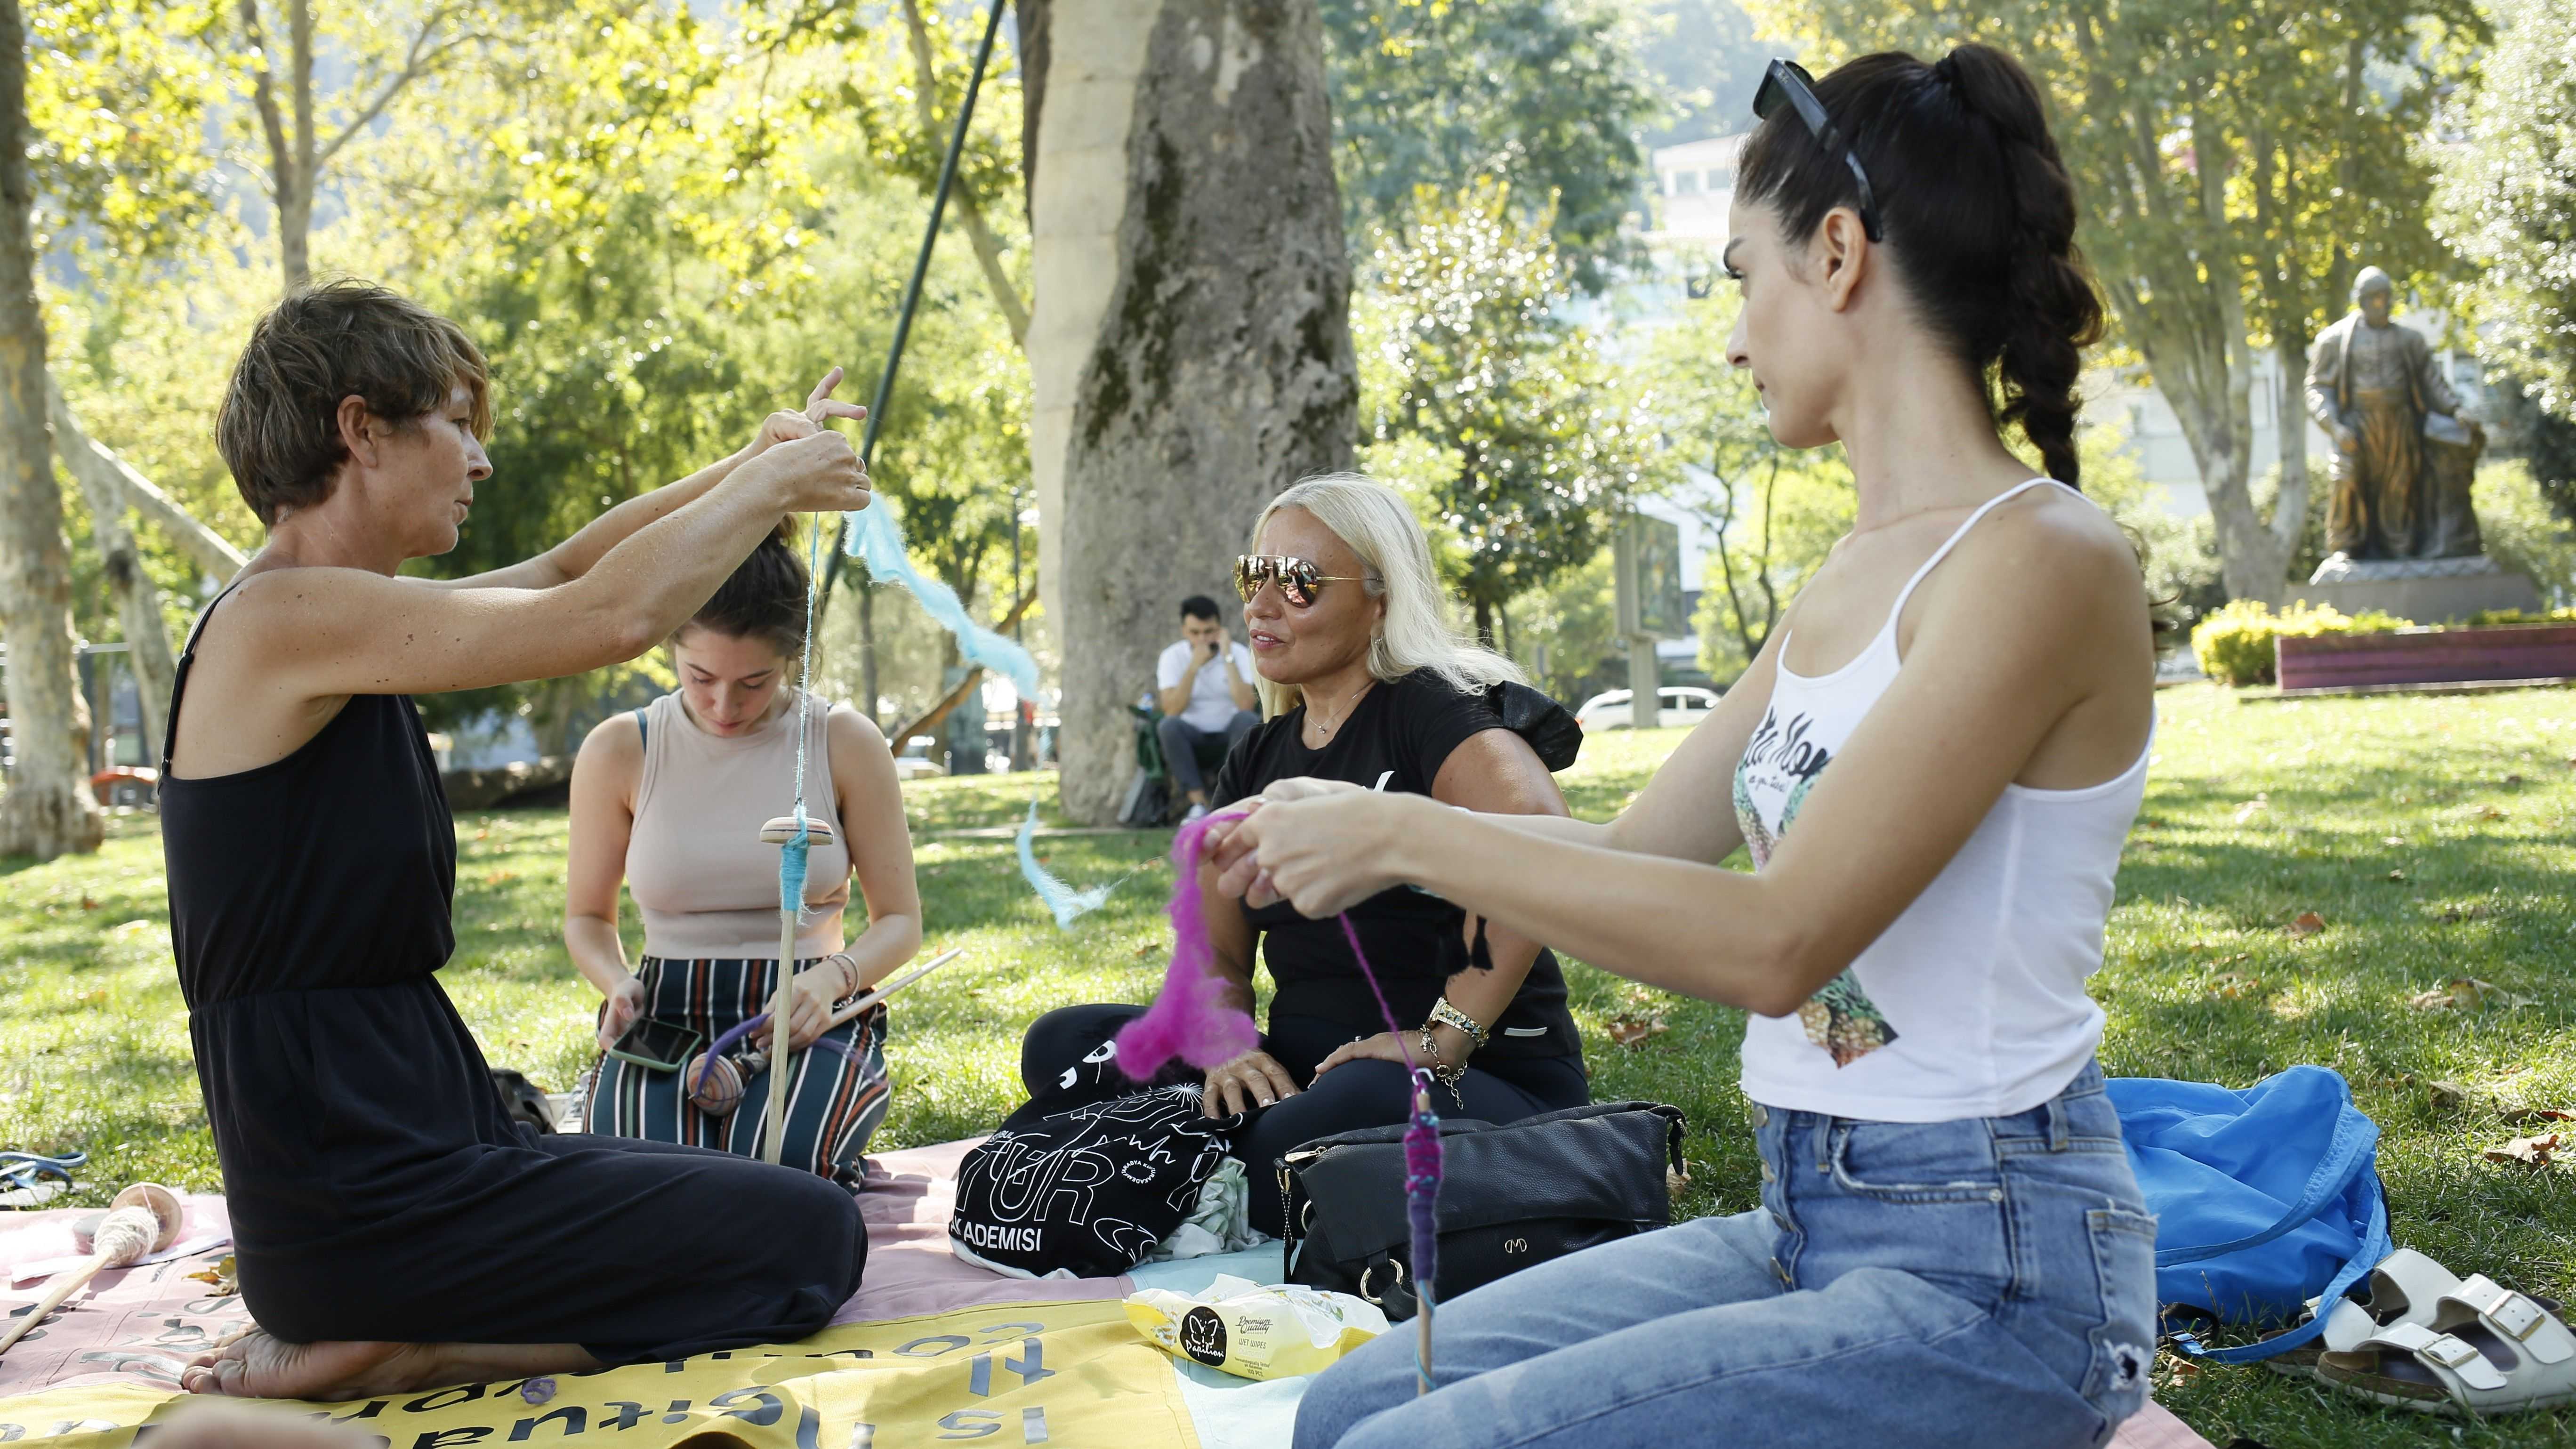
(1347, 706)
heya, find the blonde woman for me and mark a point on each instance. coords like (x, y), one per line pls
(1369, 683)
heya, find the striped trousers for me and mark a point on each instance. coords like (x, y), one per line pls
(837, 1090)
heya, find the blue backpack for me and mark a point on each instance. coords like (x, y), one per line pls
(2264, 1198)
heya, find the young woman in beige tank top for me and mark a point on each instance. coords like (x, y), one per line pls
(668, 800)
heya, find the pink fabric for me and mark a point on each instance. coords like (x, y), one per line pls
(907, 1201)
(143, 1324)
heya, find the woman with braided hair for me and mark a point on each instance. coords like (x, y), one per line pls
(1934, 761)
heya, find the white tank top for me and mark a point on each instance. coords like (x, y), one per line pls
(1972, 1003)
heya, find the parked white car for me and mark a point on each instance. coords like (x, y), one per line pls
(913, 761)
(1679, 706)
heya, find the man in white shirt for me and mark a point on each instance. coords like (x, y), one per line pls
(1203, 684)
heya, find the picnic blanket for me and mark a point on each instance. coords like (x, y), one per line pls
(930, 1348)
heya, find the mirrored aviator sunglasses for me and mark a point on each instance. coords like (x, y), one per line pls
(1299, 579)
(1787, 83)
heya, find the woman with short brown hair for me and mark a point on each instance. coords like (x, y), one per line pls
(395, 1229)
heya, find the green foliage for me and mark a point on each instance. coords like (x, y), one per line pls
(2507, 198)
(2486, 617)
(2236, 166)
(1775, 511)
(2234, 643)
(1443, 94)
(1516, 437)
(2523, 531)
(1567, 634)
(119, 93)
(1708, 61)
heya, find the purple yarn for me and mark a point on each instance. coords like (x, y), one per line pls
(1189, 1018)
(1422, 1186)
(1421, 1140)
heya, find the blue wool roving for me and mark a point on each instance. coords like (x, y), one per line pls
(875, 539)
(1069, 905)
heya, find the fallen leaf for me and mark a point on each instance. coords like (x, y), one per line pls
(2489, 812)
(1628, 1031)
(221, 1276)
(2449, 1096)
(2308, 924)
(2468, 992)
(2397, 875)
(1144, 949)
(2453, 915)
(2232, 986)
(2248, 810)
(2538, 1151)
(2513, 779)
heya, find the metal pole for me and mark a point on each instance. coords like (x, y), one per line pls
(912, 291)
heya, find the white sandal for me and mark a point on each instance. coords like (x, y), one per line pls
(2485, 1350)
(2405, 1287)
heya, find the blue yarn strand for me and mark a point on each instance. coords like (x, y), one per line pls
(876, 540)
(1068, 904)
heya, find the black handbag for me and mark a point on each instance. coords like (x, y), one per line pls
(1511, 1195)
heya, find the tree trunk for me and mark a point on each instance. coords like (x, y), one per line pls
(2290, 407)
(47, 808)
(1484, 610)
(1190, 352)
(868, 647)
(1033, 50)
(138, 599)
(213, 554)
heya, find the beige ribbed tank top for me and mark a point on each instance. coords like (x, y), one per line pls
(695, 864)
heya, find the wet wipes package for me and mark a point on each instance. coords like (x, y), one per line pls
(1237, 1326)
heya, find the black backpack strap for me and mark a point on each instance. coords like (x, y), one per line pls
(643, 730)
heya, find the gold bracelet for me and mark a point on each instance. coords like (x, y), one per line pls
(1443, 1014)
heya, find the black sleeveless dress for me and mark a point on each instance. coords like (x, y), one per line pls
(378, 1188)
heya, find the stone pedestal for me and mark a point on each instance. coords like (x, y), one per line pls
(2426, 590)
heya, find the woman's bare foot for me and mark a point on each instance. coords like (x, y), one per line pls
(259, 1365)
(256, 1364)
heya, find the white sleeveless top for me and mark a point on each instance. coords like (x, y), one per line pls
(1972, 1003)
(704, 882)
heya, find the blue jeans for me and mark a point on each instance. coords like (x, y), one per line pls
(1989, 1281)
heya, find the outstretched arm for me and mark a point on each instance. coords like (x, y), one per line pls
(1989, 677)
(317, 633)
(575, 556)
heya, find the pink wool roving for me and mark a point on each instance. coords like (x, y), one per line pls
(1189, 1018)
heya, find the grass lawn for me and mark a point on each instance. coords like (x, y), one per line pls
(2435, 836)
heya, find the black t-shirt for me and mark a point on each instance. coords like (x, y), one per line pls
(1400, 733)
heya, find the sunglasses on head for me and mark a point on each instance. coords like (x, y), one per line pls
(1299, 579)
(1788, 82)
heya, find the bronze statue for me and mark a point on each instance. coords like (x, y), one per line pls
(2374, 389)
